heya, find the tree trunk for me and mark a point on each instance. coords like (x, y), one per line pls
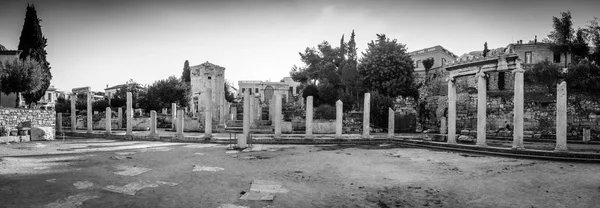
(17, 100)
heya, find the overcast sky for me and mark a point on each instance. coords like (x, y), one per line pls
(107, 42)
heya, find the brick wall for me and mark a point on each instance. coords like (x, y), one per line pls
(11, 118)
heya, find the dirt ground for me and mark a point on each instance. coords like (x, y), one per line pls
(86, 173)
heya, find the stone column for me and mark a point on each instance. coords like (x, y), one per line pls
(586, 134)
(391, 117)
(518, 101)
(73, 113)
(89, 113)
(108, 120)
(120, 117)
(222, 113)
(128, 115)
(234, 113)
(366, 115)
(481, 109)
(272, 108)
(208, 111)
(193, 108)
(443, 125)
(153, 125)
(277, 116)
(246, 122)
(339, 114)
(451, 111)
(173, 116)
(309, 117)
(251, 110)
(179, 121)
(59, 123)
(561, 117)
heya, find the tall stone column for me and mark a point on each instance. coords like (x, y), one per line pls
(586, 134)
(309, 117)
(234, 113)
(367, 115)
(481, 109)
(222, 112)
(179, 135)
(208, 111)
(73, 113)
(443, 125)
(173, 116)
(451, 111)
(108, 120)
(561, 117)
(339, 114)
(194, 108)
(120, 117)
(128, 115)
(518, 101)
(277, 116)
(251, 110)
(246, 122)
(391, 117)
(153, 125)
(59, 123)
(89, 113)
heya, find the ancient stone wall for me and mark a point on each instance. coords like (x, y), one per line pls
(11, 118)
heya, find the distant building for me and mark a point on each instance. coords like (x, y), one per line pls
(266, 89)
(10, 99)
(535, 52)
(440, 56)
(48, 101)
(109, 92)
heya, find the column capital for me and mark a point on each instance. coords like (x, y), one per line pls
(518, 70)
(481, 74)
(450, 79)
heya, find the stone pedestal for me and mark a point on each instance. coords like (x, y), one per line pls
(367, 116)
(89, 113)
(179, 135)
(108, 119)
(443, 125)
(481, 109)
(309, 117)
(73, 113)
(153, 126)
(208, 110)
(561, 117)
(391, 117)
(277, 116)
(120, 117)
(451, 111)
(246, 122)
(518, 101)
(173, 116)
(128, 115)
(339, 114)
(586, 135)
(59, 128)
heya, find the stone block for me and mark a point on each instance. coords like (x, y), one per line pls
(42, 133)
(466, 139)
(537, 136)
(464, 132)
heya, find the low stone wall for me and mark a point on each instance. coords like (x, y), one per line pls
(324, 127)
(11, 118)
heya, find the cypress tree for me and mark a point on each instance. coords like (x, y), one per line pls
(32, 43)
(185, 76)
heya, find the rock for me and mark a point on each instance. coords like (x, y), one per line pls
(42, 133)
(466, 139)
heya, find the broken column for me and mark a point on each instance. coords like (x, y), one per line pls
(366, 115)
(89, 113)
(234, 113)
(208, 111)
(246, 122)
(309, 117)
(153, 125)
(451, 111)
(179, 121)
(59, 123)
(73, 113)
(120, 117)
(481, 109)
(173, 116)
(339, 114)
(128, 115)
(561, 117)
(518, 101)
(108, 120)
(391, 117)
(251, 110)
(277, 116)
(443, 125)
(586, 135)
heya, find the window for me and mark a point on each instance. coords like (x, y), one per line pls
(209, 78)
(528, 57)
(49, 96)
(243, 90)
(418, 64)
(556, 57)
(443, 61)
(256, 90)
(501, 82)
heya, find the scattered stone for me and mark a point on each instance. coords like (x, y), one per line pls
(166, 183)
(130, 188)
(71, 201)
(231, 152)
(39, 145)
(205, 168)
(394, 154)
(83, 184)
(42, 133)
(265, 186)
(51, 180)
(41, 168)
(125, 153)
(130, 171)
(119, 157)
(384, 145)
(466, 139)
(231, 206)
(257, 196)
(198, 153)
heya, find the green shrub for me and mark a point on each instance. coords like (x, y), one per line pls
(379, 109)
(325, 111)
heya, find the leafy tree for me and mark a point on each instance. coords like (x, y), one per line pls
(32, 43)
(229, 95)
(327, 93)
(580, 46)
(387, 68)
(379, 109)
(164, 92)
(62, 105)
(311, 90)
(562, 35)
(185, 76)
(584, 76)
(349, 76)
(485, 50)
(428, 63)
(592, 32)
(324, 57)
(545, 73)
(120, 97)
(21, 76)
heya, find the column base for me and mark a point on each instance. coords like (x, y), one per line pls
(482, 144)
(561, 150)
(277, 137)
(309, 137)
(518, 148)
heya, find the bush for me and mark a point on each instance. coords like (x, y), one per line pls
(584, 76)
(379, 109)
(311, 90)
(546, 73)
(325, 111)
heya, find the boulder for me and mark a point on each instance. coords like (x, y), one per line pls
(466, 139)
(42, 133)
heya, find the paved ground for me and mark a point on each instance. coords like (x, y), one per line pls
(107, 173)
